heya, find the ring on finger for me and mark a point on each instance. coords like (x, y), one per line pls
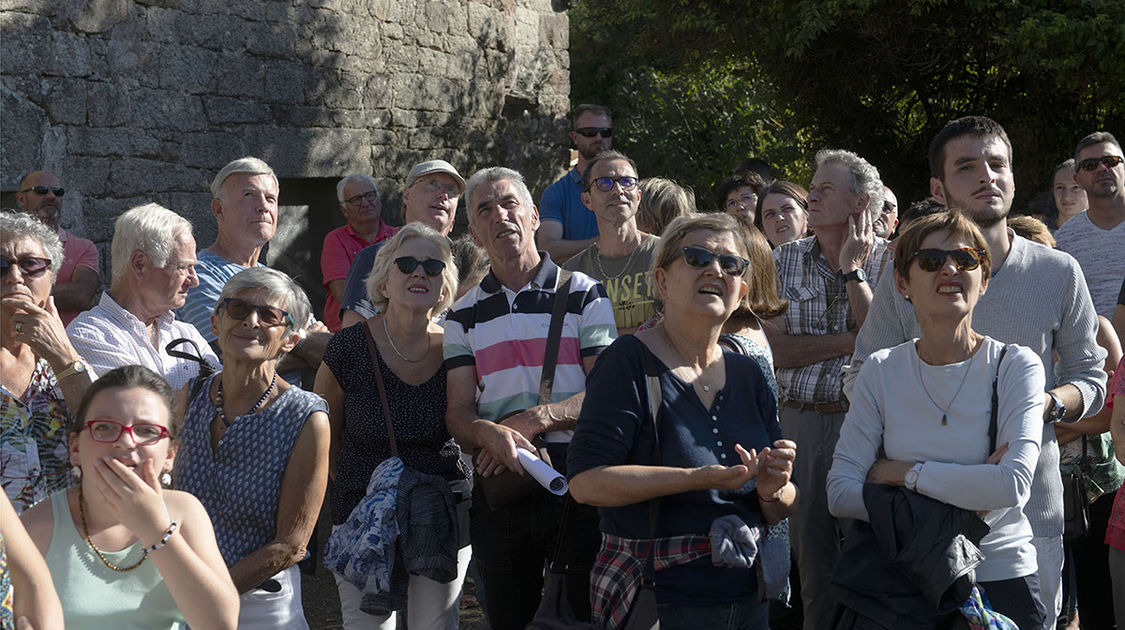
(17, 327)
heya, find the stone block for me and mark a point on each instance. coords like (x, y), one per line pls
(66, 100)
(417, 91)
(163, 109)
(554, 31)
(187, 68)
(313, 152)
(238, 75)
(133, 61)
(25, 43)
(101, 213)
(107, 105)
(87, 175)
(143, 177)
(97, 17)
(21, 137)
(382, 10)
(266, 39)
(286, 82)
(221, 110)
(70, 57)
(195, 207)
(211, 149)
(111, 141)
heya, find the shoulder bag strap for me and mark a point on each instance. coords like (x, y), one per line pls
(652, 382)
(377, 373)
(554, 335)
(992, 429)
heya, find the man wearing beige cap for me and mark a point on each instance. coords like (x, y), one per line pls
(430, 197)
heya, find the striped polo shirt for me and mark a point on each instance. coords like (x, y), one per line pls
(503, 334)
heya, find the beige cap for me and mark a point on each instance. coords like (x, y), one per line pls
(434, 166)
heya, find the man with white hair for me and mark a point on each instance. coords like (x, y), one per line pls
(362, 207)
(827, 279)
(153, 259)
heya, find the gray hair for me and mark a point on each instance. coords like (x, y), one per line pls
(865, 177)
(152, 229)
(492, 175)
(384, 260)
(354, 177)
(250, 165)
(16, 225)
(278, 286)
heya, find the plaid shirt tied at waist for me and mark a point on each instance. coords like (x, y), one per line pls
(620, 569)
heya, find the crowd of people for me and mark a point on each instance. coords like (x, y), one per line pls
(791, 408)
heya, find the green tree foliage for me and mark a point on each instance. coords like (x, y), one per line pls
(711, 83)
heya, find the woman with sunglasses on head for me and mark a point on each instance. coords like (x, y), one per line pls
(123, 552)
(254, 450)
(42, 377)
(920, 413)
(720, 447)
(412, 280)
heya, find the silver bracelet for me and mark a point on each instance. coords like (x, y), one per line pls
(163, 539)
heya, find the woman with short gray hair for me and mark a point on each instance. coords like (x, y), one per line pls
(254, 450)
(44, 377)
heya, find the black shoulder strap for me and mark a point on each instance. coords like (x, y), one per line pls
(992, 428)
(652, 385)
(554, 335)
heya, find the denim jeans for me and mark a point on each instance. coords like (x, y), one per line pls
(513, 546)
(744, 614)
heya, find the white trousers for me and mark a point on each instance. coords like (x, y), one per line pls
(430, 605)
(262, 610)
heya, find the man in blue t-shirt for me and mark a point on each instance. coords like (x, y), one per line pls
(567, 225)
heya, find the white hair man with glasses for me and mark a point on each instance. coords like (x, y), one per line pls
(621, 256)
(363, 209)
(567, 225)
(40, 195)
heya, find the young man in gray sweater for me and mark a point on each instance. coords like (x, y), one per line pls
(1036, 298)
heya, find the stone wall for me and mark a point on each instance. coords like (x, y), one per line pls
(130, 102)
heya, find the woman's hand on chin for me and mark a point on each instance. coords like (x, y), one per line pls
(137, 501)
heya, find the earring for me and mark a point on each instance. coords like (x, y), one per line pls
(166, 480)
(906, 297)
(76, 472)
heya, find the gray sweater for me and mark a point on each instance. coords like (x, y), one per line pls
(1039, 300)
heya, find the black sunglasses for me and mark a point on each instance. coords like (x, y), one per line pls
(700, 258)
(43, 190)
(1090, 164)
(605, 184)
(432, 266)
(31, 266)
(590, 132)
(267, 315)
(966, 258)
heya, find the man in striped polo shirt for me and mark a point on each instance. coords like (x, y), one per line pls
(494, 346)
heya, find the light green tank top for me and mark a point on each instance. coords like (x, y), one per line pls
(94, 597)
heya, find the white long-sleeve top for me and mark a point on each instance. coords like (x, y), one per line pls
(889, 408)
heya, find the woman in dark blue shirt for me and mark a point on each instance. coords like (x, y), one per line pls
(721, 450)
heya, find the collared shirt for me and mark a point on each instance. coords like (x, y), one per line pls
(503, 334)
(109, 336)
(34, 461)
(340, 248)
(562, 202)
(77, 252)
(818, 305)
(213, 272)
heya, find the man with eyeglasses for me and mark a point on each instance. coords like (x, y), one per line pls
(827, 279)
(361, 206)
(622, 255)
(40, 195)
(1036, 298)
(432, 191)
(568, 226)
(1096, 237)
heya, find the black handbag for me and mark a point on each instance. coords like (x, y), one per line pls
(1076, 508)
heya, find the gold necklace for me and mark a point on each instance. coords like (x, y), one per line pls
(89, 541)
(395, 348)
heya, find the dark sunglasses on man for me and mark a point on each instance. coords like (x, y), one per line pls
(590, 132)
(43, 190)
(1109, 161)
(30, 266)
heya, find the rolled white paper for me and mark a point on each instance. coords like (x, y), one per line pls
(542, 472)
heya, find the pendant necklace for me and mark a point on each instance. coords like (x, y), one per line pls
(964, 377)
(624, 268)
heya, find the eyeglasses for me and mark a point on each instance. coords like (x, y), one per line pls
(966, 258)
(30, 266)
(267, 315)
(369, 197)
(700, 258)
(43, 190)
(744, 200)
(433, 185)
(605, 184)
(590, 132)
(1109, 161)
(110, 431)
(432, 266)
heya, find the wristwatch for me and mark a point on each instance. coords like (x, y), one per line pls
(859, 275)
(1057, 411)
(911, 477)
(76, 367)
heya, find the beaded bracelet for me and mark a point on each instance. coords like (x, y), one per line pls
(163, 539)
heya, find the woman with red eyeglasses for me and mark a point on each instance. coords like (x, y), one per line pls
(42, 377)
(254, 450)
(124, 552)
(921, 418)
